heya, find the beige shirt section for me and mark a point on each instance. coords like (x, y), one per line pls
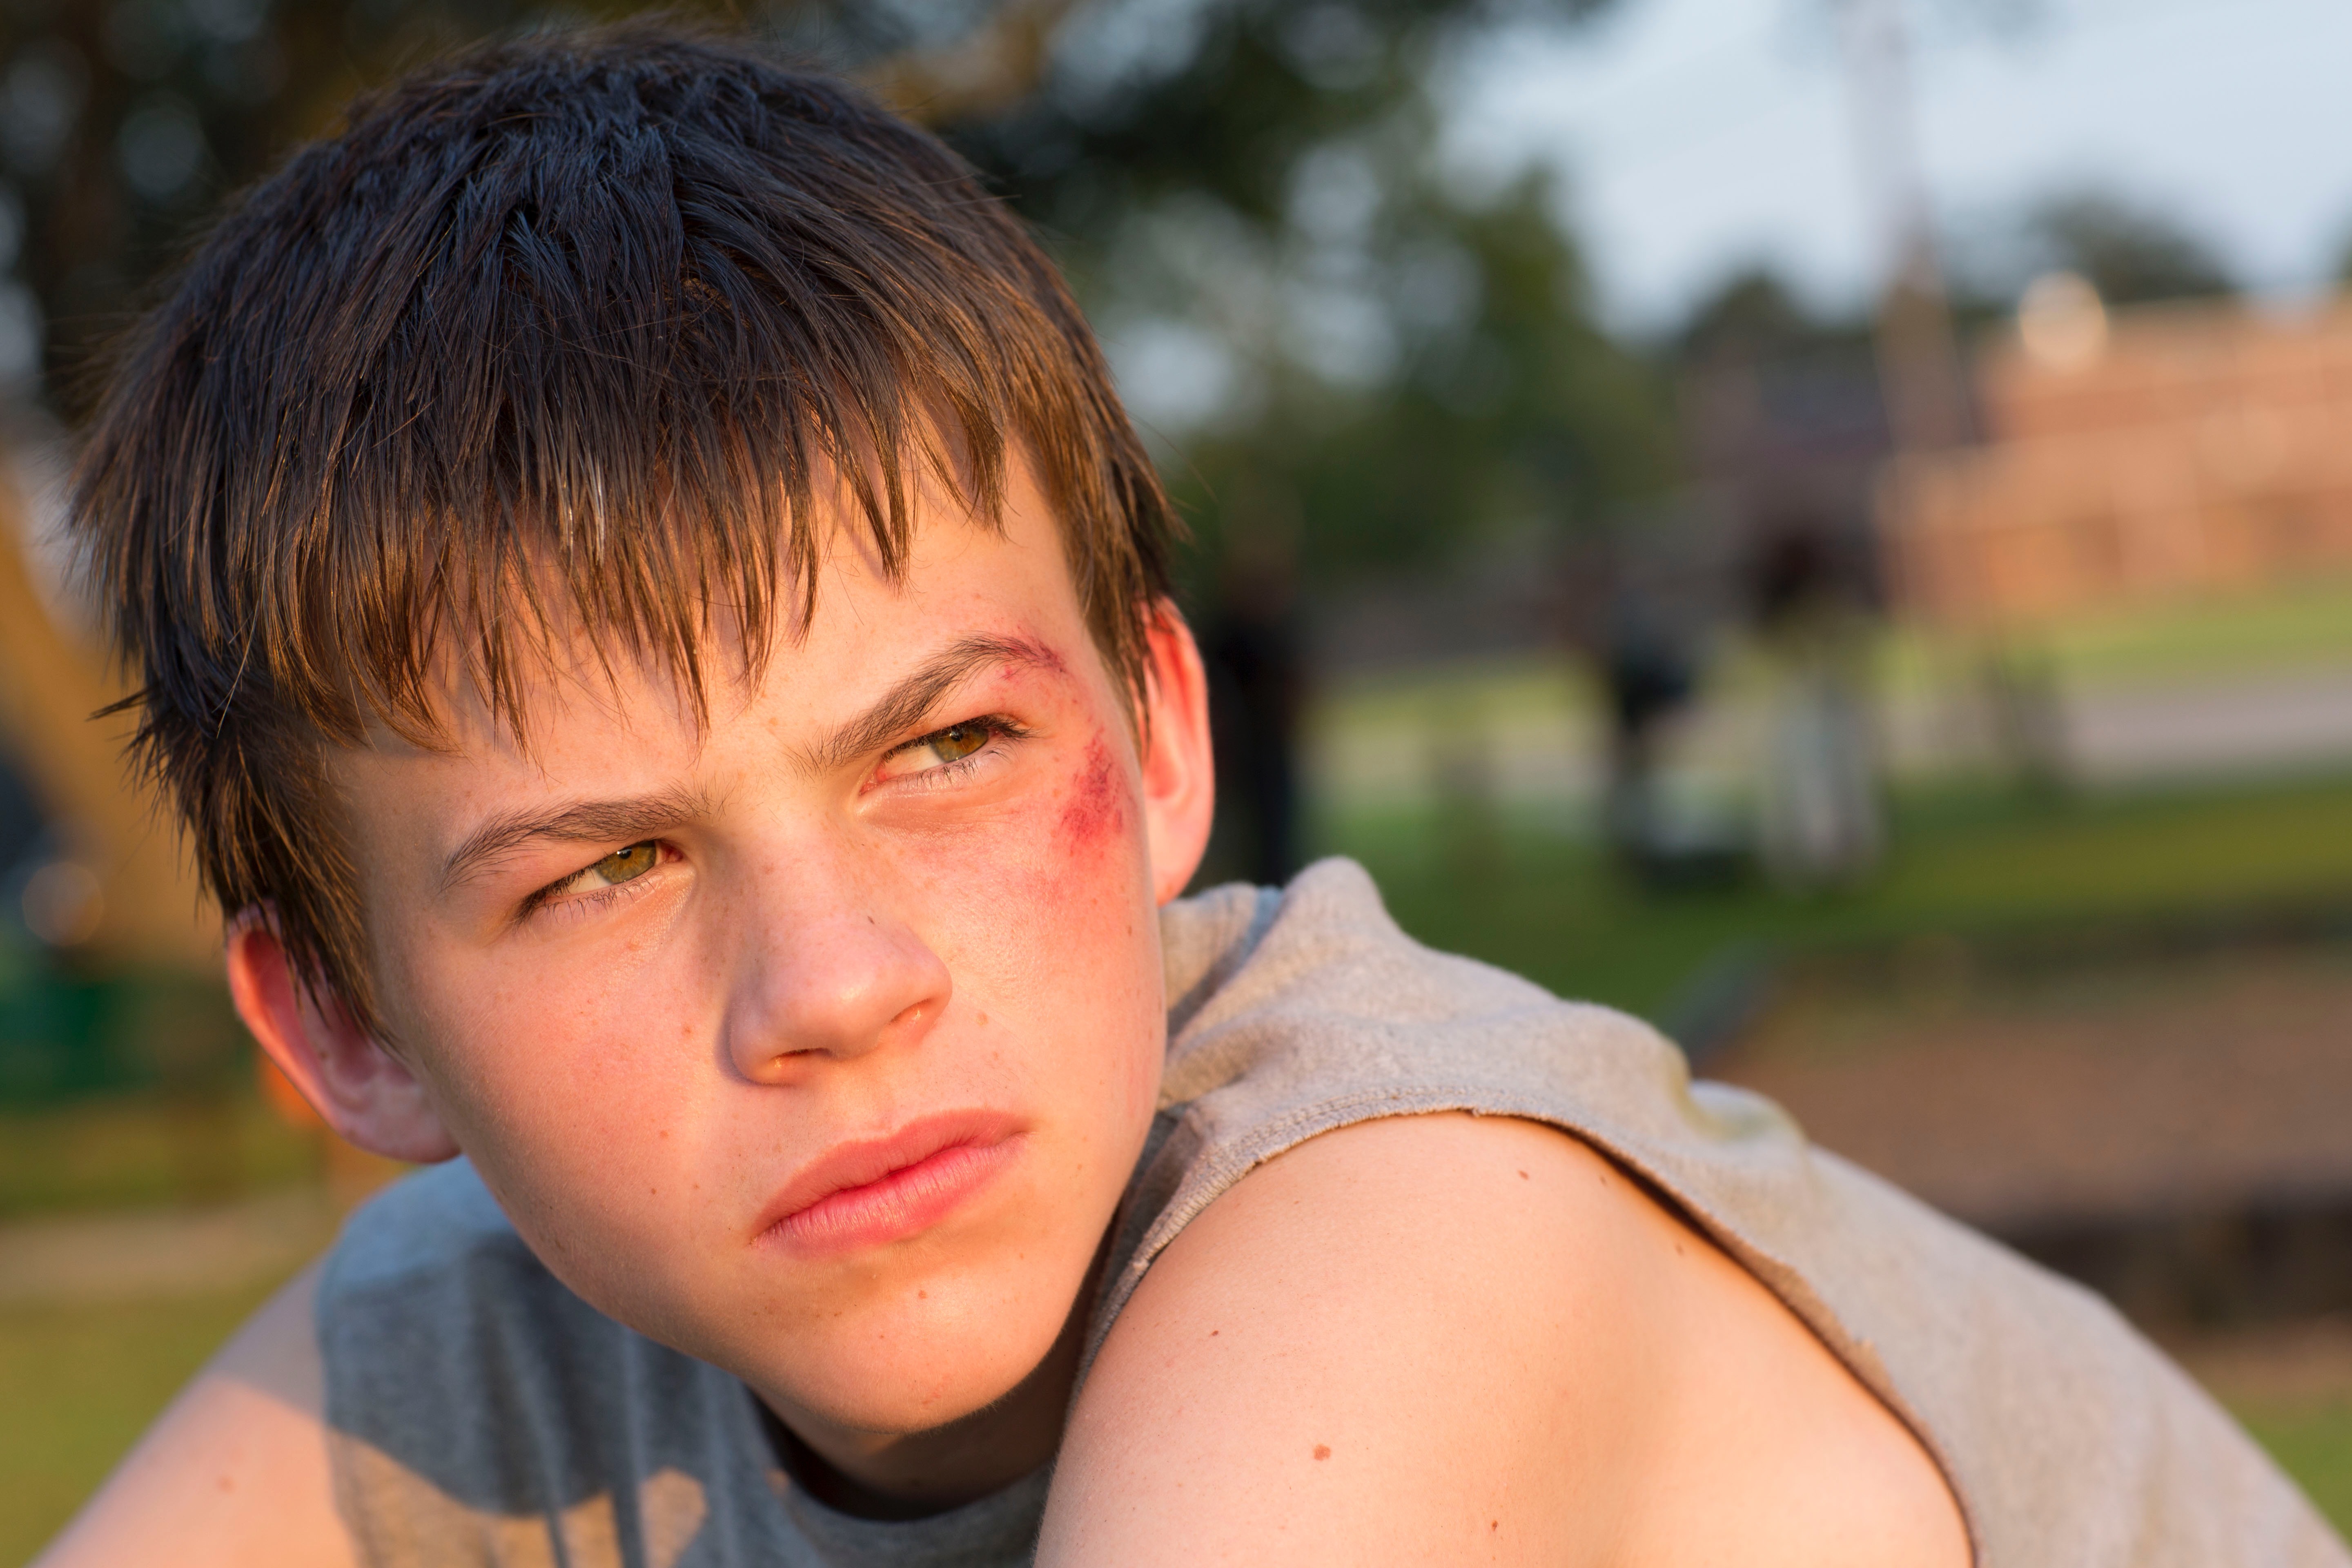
(482, 1414)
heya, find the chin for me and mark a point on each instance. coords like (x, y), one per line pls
(911, 1375)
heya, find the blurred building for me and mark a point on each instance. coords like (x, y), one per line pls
(2160, 452)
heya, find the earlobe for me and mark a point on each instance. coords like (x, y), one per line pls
(363, 1090)
(1179, 771)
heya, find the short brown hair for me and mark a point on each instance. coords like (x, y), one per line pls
(562, 326)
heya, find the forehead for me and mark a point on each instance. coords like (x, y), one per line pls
(860, 626)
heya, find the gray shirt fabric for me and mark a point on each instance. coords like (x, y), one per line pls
(480, 1413)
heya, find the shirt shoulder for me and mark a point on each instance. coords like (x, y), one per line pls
(478, 1412)
(1301, 1011)
(421, 1224)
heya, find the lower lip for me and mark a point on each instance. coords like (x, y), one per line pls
(908, 1202)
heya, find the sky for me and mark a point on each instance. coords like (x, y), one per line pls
(1697, 135)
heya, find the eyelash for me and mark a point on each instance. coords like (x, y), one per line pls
(578, 905)
(998, 728)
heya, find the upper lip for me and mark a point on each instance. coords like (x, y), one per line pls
(858, 1162)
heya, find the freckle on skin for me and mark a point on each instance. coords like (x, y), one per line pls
(1522, 1175)
(1322, 1450)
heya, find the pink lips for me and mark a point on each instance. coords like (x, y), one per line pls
(870, 1192)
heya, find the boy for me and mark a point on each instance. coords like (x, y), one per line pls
(657, 626)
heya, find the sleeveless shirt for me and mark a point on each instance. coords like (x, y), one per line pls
(482, 1413)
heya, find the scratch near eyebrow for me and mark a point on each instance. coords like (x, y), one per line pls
(585, 822)
(909, 703)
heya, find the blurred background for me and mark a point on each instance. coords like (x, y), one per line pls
(1826, 523)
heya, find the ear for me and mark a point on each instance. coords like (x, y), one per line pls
(361, 1089)
(1180, 790)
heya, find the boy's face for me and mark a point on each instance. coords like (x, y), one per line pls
(818, 1040)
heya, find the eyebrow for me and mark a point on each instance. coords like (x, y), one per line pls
(633, 820)
(910, 701)
(585, 822)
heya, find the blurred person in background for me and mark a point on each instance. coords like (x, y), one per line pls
(1646, 672)
(1250, 646)
(1818, 809)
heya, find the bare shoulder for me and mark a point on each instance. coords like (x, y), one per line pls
(1444, 1338)
(236, 1471)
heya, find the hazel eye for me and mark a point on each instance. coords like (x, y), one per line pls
(956, 741)
(931, 760)
(625, 865)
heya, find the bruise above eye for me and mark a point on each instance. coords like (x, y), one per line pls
(625, 865)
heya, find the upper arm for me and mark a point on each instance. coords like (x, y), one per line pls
(1410, 1339)
(236, 1471)
(1448, 1338)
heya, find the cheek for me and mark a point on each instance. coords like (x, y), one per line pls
(576, 1096)
(1094, 896)
(1052, 911)
(608, 1176)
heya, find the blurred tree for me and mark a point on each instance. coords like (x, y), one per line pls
(1754, 315)
(2130, 252)
(1338, 336)
(1463, 393)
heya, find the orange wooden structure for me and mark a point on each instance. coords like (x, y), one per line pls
(2185, 448)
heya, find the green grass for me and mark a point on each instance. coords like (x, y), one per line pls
(2285, 626)
(2278, 629)
(78, 1385)
(144, 1150)
(2313, 1442)
(1969, 860)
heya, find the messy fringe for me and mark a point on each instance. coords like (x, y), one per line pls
(563, 334)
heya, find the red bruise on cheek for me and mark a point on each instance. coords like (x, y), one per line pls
(1094, 812)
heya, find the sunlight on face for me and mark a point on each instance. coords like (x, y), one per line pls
(817, 1040)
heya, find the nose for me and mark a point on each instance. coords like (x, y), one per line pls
(828, 974)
